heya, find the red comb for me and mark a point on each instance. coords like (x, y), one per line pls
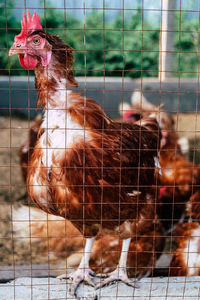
(29, 25)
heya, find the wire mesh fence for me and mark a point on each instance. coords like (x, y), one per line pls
(99, 161)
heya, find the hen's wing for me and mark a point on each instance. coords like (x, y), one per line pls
(120, 155)
(138, 145)
(103, 172)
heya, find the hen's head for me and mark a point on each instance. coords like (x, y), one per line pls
(37, 48)
(29, 45)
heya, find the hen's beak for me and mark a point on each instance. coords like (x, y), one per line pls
(15, 49)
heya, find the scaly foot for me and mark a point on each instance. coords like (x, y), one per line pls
(78, 276)
(119, 274)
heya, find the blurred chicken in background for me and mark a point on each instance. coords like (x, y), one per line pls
(28, 145)
(186, 258)
(180, 178)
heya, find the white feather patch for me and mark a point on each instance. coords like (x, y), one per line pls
(61, 132)
(191, 254)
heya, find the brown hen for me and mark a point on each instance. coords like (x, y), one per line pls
(180, 178)
(85, 167)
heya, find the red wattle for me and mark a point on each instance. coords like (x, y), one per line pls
(162, 190)
(28, 62)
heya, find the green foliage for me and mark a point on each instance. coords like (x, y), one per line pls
(9, 28)
(186, 41)
(114, 48)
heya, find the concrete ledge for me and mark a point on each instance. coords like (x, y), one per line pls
(18, 94)
(179, 288)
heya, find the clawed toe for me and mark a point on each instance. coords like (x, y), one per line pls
(116, 276)
(63, 276)
(76, 282)
(109, 281)
(81, 275)
(77, 277)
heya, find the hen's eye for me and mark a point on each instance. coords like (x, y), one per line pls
(36, 41)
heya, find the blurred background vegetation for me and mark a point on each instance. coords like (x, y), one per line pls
(121, 47)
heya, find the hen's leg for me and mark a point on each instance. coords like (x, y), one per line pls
(83, 272)
(120, 273)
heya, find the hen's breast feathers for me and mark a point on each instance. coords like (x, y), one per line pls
(84, 157)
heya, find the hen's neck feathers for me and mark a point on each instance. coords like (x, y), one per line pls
(51, 85)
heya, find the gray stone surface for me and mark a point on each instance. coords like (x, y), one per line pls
(172, 288)
(11, 272)
(42, 289)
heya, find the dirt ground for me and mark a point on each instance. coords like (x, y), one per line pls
(12, 189)
(13, 132)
